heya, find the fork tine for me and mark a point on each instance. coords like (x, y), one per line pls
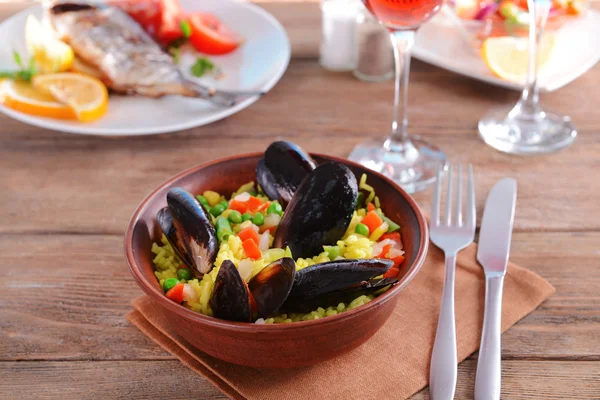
(458, 205)
(435, 204)
(449, 198)
(470, 211)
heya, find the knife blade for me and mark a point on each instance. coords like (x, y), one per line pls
(496, 227)
(492, 254)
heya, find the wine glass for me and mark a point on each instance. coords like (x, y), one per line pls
(526, 128)
(408, 160)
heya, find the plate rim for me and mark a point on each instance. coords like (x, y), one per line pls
(59, 126)
(425, 55)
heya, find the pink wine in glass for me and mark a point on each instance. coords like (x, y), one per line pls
(403, 14)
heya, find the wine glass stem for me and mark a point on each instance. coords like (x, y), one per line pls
(398, 141)
(538, 14)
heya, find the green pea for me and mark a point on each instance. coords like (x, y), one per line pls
(225, 204)
(275, 208)
(258, 219)
(235, 217)
(246, 217)
(169, 283)
(217, 210)
(362, 229)
(202, 200)
(184, 274)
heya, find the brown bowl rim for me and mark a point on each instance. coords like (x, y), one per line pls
(251, 326)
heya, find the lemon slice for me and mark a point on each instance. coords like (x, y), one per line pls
(85, 95)
(21, 96)
(50, 54)
(508, 57)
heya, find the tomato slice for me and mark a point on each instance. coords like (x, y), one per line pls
(210, 36)
(146, 13)
(171, 16)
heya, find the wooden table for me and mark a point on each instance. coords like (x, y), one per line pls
(66, 200)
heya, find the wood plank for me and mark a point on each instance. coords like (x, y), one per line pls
(95, 183)
(64, 297)
(172, 380)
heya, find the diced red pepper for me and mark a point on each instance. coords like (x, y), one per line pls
(370, 207)
(251, 249)
(253, 203)
(372, 220)
(263, 206)
(248, 233)
(385, 251)
(176, 293)
(391, 273)
(239, 206)
(395, 236)
(397, 261)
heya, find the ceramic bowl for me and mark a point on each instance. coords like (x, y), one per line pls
(278, 345)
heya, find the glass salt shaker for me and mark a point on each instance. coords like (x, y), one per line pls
(338, 40)
(375, 55)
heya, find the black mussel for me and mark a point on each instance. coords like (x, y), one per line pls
(334, 298)
(189, 230)
(319, 212)
(230, 299)
(335, 275)
(282, 169)
(272, 285)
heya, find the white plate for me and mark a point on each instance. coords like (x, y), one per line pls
(257, 65)
(442, 43)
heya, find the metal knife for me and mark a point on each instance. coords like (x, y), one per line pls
(492, 254)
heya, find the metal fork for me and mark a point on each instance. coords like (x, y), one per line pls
(451, 234)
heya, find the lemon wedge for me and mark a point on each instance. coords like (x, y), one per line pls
(50, 54)
(85, 95)
(508, 57)
(21, 96)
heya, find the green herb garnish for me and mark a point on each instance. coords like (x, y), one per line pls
(202, 66)
(24, 73)
(186, 29)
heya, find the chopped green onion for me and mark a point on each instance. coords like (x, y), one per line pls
(333, 252)
(223, 228)
(186, 29)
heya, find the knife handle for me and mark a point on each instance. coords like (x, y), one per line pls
(489, 371)
(443, 369)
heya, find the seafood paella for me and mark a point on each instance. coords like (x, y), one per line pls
(303, 242)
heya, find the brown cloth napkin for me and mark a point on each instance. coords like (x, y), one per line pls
(392, 364)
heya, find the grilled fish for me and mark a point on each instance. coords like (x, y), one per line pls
(108, 41)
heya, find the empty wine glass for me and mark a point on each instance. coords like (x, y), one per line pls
(526, 128)
(409, 161)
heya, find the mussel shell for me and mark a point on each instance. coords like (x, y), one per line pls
(319, 212)
(335, 275)
(272, 285)
(195, 238)
(165, 221)
(282, 169)
(334, 298)
(230, 298)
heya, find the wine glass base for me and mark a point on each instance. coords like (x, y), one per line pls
(515, 132)
(413, 169)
